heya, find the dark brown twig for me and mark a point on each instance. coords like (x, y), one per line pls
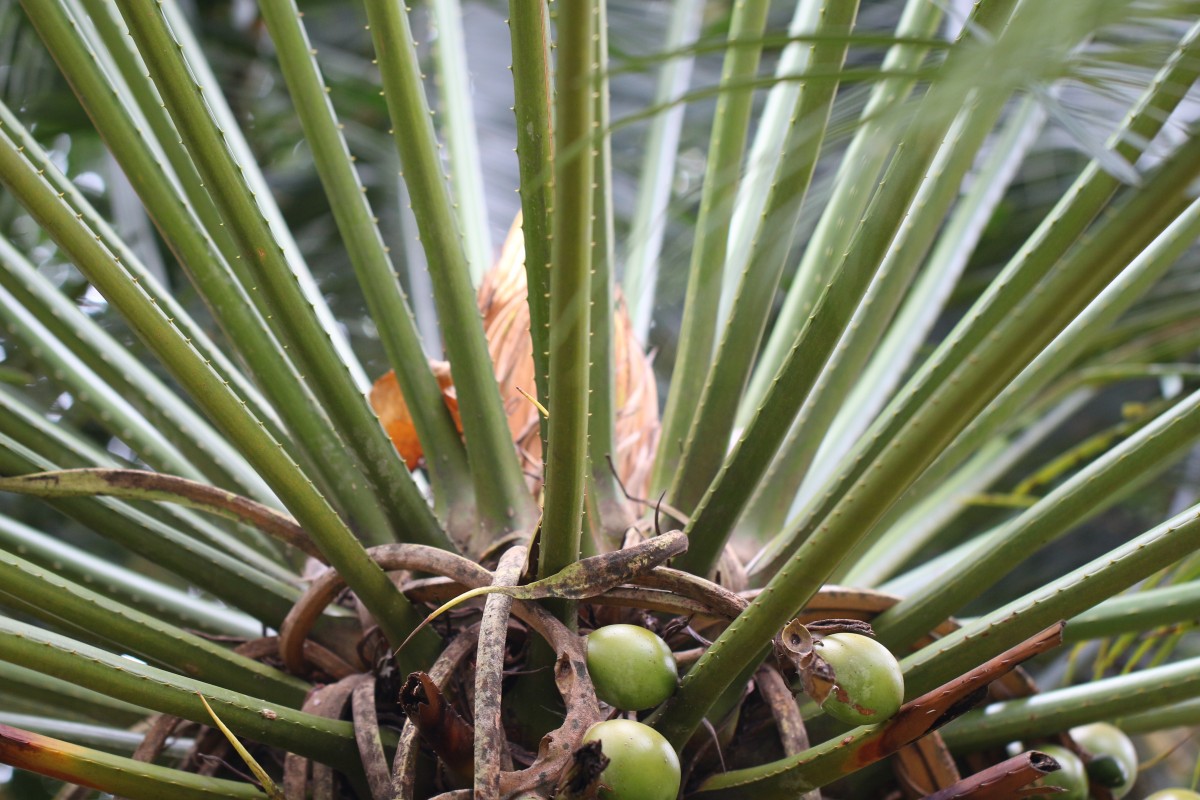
(155, 740)
(1007, 780)
(658, 506)
(778, 697)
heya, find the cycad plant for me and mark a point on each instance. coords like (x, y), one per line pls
(867, 424)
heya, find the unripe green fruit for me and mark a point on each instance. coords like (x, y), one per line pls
(642, 765)
(631, 668)
(869, 686)
(1072, 776)
(1108, 742)
(1174, 794)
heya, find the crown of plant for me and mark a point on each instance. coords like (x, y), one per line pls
(340, 501)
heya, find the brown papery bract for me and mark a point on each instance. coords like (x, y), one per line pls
(502, 303)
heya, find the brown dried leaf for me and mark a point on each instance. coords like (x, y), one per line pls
(325, 701)
(558, 746)
(440, 725)
(819, 681)
(719, 601)
(925, 766)
(404, 767)
(797, 641)
(388, 402)
(502, 303)
(800, 663)
(828, 627)
(581, 779)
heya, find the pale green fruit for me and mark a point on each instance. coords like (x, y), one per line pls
(869, 686)
(631, 668)
(1072, 776)
(1104, 740)
(642, 765)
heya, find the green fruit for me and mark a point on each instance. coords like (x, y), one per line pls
(1174, 794)
(642, 765)
(869, 686)
(1111, 748)
(631, 668)
(1072, 776)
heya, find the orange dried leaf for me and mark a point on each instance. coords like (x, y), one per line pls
(502, 303)
(388, 402)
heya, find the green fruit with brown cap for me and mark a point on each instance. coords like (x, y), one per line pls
(868, 683)
(642, 765)
(1115, 763)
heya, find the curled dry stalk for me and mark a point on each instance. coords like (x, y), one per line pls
(474, 751)
(135, 484)
(490, 739)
